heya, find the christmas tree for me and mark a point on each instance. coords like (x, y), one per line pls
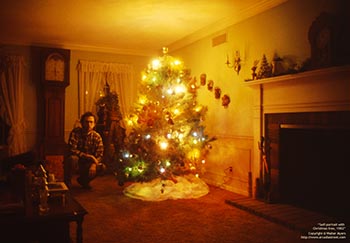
(265, 70)
(165, 135)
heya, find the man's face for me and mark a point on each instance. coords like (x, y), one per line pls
(88, 123)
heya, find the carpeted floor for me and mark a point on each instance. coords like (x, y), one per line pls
(115, 218)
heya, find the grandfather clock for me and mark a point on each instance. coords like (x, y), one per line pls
(55, 65)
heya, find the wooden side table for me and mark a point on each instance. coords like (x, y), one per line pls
(30, 225)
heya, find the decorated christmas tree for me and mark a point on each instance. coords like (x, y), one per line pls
(165, 136)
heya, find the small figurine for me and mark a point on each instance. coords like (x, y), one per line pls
(265, 70)
(255, 66)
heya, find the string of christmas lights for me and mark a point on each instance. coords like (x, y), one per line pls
(165, 135)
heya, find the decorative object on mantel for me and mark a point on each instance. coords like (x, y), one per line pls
(236, 63)
(326, 42)
(318, 74)
(265, 70)
(255, 66)
(277, 66)
(328, 38)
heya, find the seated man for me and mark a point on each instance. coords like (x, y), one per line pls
(85, 149)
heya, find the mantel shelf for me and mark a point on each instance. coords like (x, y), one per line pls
(300, 76)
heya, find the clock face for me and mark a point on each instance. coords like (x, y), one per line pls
(55, 67)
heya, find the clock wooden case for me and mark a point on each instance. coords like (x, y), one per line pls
(55, 65)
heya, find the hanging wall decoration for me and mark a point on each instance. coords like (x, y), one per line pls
(225, 100)
(203, 79)
(217, 93)
(210, 85)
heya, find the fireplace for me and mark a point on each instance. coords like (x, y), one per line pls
(309, 160)
(304, 121)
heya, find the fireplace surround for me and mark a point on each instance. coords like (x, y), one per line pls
(310, 158)
(287, 107)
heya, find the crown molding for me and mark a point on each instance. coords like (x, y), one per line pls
(88, 48)
(119, 51)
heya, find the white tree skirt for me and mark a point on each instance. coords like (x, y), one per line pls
(182, 187)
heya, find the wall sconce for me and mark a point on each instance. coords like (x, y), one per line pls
(236, 65)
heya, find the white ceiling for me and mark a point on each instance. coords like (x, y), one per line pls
(120, 26)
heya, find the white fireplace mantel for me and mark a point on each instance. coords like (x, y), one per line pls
(312, 91)
(318, 90)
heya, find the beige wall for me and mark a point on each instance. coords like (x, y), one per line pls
(282, 30)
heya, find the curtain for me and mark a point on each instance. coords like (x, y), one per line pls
(92, 76)
(12, 100)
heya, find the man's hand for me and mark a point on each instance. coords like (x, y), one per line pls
(91, 157)
(92, 170)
